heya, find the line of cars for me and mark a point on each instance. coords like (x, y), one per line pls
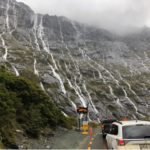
(126, 135)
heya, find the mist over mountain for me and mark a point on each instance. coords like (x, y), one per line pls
(76, 64)
(120, 16)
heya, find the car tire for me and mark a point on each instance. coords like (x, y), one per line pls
(104, 136)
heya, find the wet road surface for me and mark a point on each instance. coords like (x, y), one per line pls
(75, 140)
(98, 142)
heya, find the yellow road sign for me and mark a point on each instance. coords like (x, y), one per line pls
(85, 133)
(85, 127)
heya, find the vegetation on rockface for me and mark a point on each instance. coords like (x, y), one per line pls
(24, 106)
(93, 124)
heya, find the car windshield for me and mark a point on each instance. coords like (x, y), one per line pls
(136, 131)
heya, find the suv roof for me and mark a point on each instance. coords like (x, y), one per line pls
(131, 122)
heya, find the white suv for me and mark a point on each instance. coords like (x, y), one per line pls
(126, 135)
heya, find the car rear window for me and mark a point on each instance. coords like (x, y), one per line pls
(114, 129)
(136, 131)
(107, 127)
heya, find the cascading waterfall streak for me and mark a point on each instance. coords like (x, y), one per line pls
(36, 72)
(4, 46)
(16, 71)
(7, 16)
(35, 31)
(59, 79)
(46, 49)
(76, 88)
(117, 83)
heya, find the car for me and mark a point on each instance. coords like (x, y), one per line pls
(106, 125)
(126, 135)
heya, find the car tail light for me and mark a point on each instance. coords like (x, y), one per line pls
(121, 142)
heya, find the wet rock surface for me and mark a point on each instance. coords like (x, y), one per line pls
(76, 64)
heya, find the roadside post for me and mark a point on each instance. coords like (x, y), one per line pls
(91, 134)
(85, 127)
(82, 121)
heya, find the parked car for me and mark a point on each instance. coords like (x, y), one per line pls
(126, 135)
(106, 125)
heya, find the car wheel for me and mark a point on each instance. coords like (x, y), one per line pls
(104, 136)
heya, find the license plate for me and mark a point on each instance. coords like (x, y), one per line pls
(144, 146)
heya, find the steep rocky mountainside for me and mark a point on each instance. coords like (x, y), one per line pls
(77, 65)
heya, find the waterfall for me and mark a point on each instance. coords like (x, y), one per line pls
(58, 64)
(35, 70)
(90, 98)
(42, 87)
(101, 67)
(65, 45)
(64, 114)
(16, 71)
(99, 73)
(129, 86)
(76, 88)
(35, 32)
(73, 105)
(112, 93)
(4, 46)
(59, 79)
(46, 48)
(15, 17)
(126, 96)
(41, 35)
(7, 16)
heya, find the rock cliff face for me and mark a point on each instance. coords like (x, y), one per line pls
(76, 64)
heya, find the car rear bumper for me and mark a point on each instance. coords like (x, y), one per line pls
(130, 147)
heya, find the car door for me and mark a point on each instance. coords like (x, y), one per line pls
(108, 137)
(112, 137)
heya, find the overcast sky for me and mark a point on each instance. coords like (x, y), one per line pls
(109, 14)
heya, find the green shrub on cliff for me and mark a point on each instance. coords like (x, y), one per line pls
(23, 104)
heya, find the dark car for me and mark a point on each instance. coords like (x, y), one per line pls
(106, 125)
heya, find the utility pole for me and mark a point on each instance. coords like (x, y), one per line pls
(87, 112)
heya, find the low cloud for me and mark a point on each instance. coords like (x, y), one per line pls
(116, 15)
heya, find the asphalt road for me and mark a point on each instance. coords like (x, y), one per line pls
(98, 142)
(76, 140)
